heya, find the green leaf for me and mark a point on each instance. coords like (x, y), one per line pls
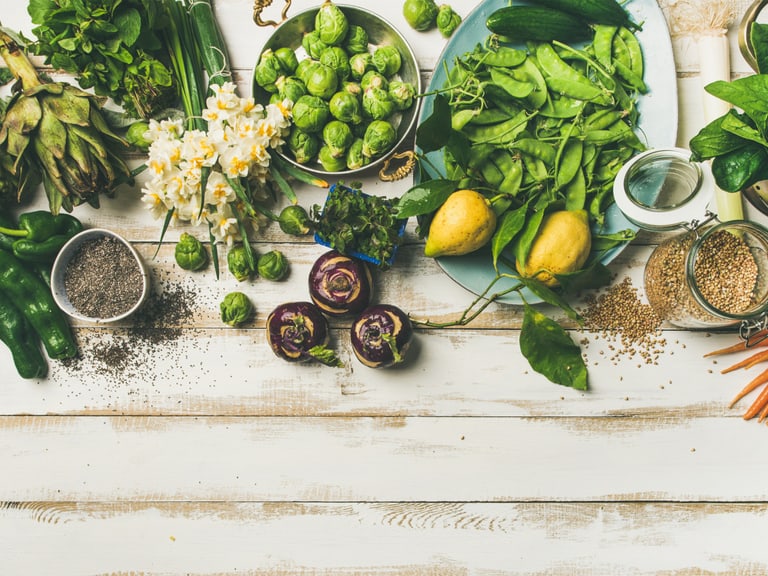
(741, 168)
(435, 131)
(749, 94)
(425, 197)
(603, 242)
(550, 297)
(550, 350)
(741, 126)
(525, 241)
(592, 276)
(128, 23)
(758, 38)
(39, 10)
(510, 224)
(713, 141)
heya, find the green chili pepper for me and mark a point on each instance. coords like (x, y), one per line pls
(40, 235)
(35, 301)
(17, 333)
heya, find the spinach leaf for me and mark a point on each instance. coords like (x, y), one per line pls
(758, 38)
(551, 351)
(743, 167)
(749, 93)
(713, 141)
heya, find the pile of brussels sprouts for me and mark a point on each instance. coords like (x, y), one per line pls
(346, 94)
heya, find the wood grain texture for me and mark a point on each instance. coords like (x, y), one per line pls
(183, 447)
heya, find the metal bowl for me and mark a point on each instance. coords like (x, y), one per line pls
(380, 32)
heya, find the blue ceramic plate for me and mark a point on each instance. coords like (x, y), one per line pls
(657, 123)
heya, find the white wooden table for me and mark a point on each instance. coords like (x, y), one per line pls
(201, 453)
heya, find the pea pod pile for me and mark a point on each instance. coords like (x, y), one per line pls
(547, 123)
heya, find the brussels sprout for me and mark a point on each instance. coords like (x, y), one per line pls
(310, 113)
(331, 24)
(337, 137)
(272, 265)
(322, 81)
(337, 60)
(135, 135)
(275, 98)
(359, 64)
(287, 60)
(235, 309)
(313, 45)
(379, 137)
(303, 146)
(345, 107)
(190, 254)
(355, 158)
(377, 104)
(353, 88)
(330, 162)
(387, 60)
(239, 264)
(373, 79)
(357, 40)
(402, 94)
(267, 71)
(290, 87)
(304, 68)
(447, 20)
(294, 220)
(420, 14)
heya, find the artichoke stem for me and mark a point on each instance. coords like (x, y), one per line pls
(18, 62)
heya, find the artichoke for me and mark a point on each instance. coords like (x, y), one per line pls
(59, 131)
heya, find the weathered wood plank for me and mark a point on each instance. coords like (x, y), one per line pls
(358, 459)
(396, 539)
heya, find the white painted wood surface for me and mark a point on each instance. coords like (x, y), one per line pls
(206, 455)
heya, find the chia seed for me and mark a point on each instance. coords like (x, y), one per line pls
(103, 279)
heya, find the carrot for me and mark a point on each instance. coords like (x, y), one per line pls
(761, 378)
(747, 362)
(763, 413)
(758, 405)
(741, 346)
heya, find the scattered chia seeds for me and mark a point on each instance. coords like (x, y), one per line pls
(103, 279)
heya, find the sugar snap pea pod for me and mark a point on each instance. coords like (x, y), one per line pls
(490, 116)
(566, 80)
(602, 118)
(603, 44)
(576, 191)
(633, 80)
(634, 51)
(529, 71)
(502, 133)
(537, 149)
(562, 107)
(460, 118)
(504, 56)
(513, 87)
(535, 168)
(491, 173)
(569, 163)
(478, 154)
(513, 177)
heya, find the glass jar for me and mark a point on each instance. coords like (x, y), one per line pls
(710, 275)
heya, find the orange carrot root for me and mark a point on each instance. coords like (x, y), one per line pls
(741, 346)
(761, 378)
(747, 362)
(760, 403)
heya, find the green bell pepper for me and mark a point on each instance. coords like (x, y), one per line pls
(39, 235)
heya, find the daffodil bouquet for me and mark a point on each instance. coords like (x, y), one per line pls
(215, 176)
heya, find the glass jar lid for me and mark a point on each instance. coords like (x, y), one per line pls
(663, 189)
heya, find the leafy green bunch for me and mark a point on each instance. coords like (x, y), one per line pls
(112, 46)
(737, 142)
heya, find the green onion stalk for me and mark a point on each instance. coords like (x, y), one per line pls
(58, 131)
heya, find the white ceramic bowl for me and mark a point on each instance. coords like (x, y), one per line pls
(60, 265)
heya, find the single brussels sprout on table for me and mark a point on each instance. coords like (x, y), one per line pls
(322, 81)
(190, 254)
(379, 137)
(346, 107)
(235, 309)
(359, 64)
(387, 60)
(337, 137)
(337, 60)
(421, 15)
(357, 40)
(290, 88)
(330, 162)
(310, 113)
(272, 265)
(402, 94)
(377, 104)
(312, 44)
(331, 24)
(294, 220)
(303, 145)
(355, 158)
(447, 20)
(239, 263)
(374, 79)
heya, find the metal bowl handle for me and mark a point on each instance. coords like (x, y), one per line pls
(744, 29)
(260, 5)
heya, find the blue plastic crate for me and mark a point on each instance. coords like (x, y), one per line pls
(361, 255)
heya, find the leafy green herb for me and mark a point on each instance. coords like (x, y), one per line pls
(112, 47)
(351, 221)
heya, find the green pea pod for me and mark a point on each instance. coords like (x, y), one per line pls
(575, 191)
(513, 87)
(503, 56)
(537, 149)
(634, 51)
(603, 44)
(502, 133)
(570, 162)
(566, 80)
